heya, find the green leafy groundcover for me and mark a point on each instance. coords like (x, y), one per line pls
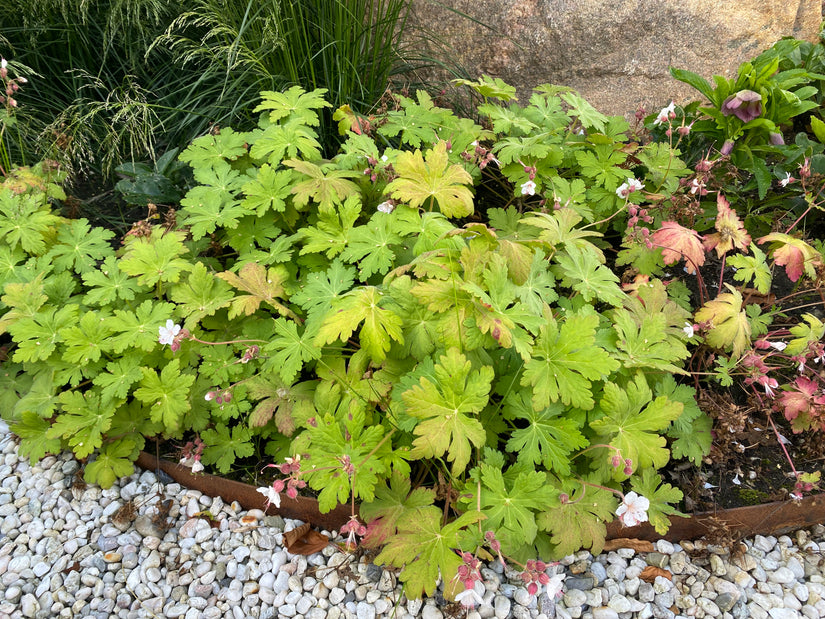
(368, 315)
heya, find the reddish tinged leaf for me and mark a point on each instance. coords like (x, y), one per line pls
(802, 404)
(677, 243)
(730, 232)
(794, 254)
(305, 541)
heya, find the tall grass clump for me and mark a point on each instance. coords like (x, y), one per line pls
(92, 90)
(129, 79)
(351, 48)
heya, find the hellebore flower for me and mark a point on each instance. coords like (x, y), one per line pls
(745, 105)
(776, 138)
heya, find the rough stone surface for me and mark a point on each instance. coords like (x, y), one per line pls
(616, 54)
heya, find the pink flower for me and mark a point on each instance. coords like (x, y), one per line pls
(469, 598)
(629, 187)
(769, 384)
(272, 496)
(168, 333)
(386, 207)
(555, 586)
(528, 189)
(633, 509)
(665, 114)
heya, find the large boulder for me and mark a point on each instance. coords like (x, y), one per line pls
(616, 53)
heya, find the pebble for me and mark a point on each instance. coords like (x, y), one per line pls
(195, 570)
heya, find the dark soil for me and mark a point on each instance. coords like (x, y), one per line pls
(746, 465)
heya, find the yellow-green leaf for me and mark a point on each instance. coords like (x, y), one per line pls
(431, 179)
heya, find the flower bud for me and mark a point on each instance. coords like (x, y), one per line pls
(727, 147)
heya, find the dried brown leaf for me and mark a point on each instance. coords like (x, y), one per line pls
(639, 545)
(304, 540)
(650, 573)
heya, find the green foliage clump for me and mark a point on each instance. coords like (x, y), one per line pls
(372, 314)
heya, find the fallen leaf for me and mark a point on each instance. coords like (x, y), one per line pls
(650, 573)
(639, 545)
(304, 541)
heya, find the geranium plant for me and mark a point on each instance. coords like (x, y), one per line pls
(366, 316)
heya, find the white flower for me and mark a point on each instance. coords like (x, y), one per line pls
(688, 329)
(554, 587)
(736, 481)
(168, 333)
(788, 179)
(709, 485)
(384, 158)
(271, 496)
(528, 189)
(386, 207)
(3, 63)
(469, 598)
(633, 509)
(197, 467)
(629, 187)
(664, 114)
(780, 346)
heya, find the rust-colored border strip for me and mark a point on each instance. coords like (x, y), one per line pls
(767, 519)
(300, 508)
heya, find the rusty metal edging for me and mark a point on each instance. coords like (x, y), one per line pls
(768, 519)
(300, 508)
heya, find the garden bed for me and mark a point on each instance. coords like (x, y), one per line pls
(720, 526)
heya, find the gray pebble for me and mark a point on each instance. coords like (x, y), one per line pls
(502, 607)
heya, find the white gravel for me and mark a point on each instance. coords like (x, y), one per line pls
(65, 553)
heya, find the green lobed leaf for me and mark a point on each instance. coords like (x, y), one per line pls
(166, 394)
(138, 329)
(633, 422)
(425, 550)
(113, 461)
(447, 409)
(580, 521)
(547, 438)
(391, 504)
(429, 180)
(223, 447)
(380, 326)
(156, 258)
(82, 422)
(108, 283)
(34, 443)
(79, 247)
(565, 361)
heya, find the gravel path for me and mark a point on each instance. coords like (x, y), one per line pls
(72, 552)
